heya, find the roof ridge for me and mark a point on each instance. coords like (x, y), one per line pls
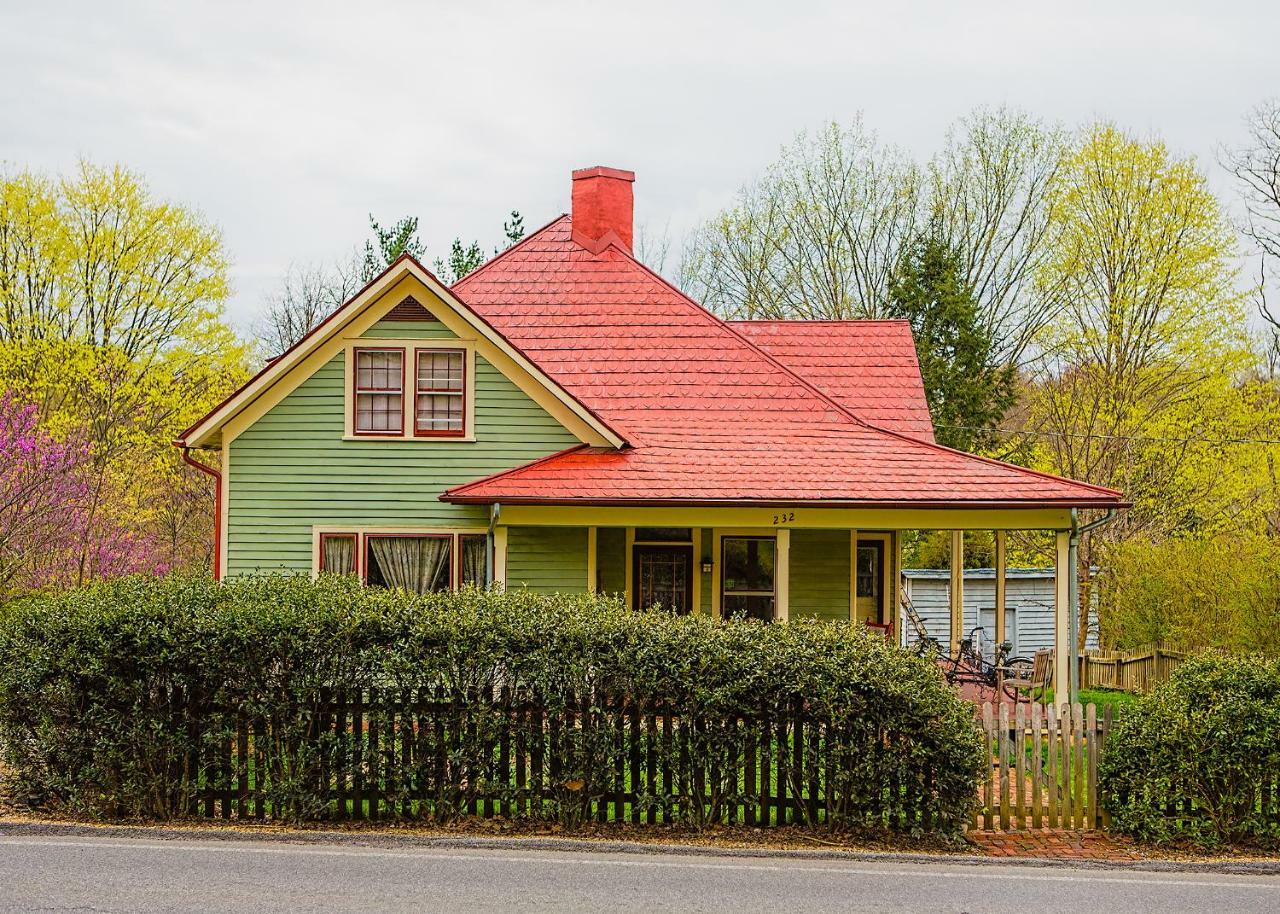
(501, 255)
(748, 343)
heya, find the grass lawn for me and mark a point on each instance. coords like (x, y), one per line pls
(1100, 697)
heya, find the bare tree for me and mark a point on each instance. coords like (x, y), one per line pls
(653, 248)
(818, 236)
(308, 294)
(988, 197)
(1256, 166)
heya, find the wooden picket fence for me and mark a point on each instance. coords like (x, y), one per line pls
(1043, 770)
(378, 754)
(1130, 671)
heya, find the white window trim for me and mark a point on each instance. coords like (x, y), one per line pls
(409, 397)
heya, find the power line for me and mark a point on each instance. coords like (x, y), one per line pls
(1152, 438)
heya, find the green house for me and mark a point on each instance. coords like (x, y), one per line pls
(564, 419)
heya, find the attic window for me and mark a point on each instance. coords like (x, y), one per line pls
(379, 392)
(440, 392)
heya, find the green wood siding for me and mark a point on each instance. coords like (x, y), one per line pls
(292, 470)
(820, 574)
(611, 559)
(547, 559)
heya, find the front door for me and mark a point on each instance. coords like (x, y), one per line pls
(870, 581)
(664, 577)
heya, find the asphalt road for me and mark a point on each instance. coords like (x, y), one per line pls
(119, 874)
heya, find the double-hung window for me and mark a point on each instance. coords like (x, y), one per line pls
(379, 390)
(440, 393)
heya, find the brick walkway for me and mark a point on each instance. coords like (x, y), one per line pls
(1053, 844)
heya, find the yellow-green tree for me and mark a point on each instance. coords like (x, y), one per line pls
(1145, 381)
(111, 322)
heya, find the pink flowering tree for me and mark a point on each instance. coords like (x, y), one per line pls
(44, 493)
(50, 534)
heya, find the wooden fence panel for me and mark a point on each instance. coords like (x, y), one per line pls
(1043, 769)
(1129, 671)
(374, 754)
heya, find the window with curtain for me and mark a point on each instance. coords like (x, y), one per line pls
(439, 393)
(338, 553)
(419, 564)
(474, 548)
(379, 392)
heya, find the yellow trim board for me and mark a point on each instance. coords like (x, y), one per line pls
(885, 519)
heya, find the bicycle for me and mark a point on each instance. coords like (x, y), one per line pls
(969, 665)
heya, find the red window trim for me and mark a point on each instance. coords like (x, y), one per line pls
(356, 391)
(453, 550)
(359, 571)
(436, 433)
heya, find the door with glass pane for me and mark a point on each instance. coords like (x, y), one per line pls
(664, 577)
(870, 581)
(747, 585)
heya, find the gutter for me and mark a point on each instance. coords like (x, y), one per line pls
(217, 505)
(1073, 591)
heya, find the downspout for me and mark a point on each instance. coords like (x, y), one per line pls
(1073, 593)
(495, 514)
(217, 507)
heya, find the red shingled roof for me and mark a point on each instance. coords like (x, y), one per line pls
(868, 367)
(711, 416)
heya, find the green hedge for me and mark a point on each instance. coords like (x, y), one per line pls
(117, 699)
(1197, 760)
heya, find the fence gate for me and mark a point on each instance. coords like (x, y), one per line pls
(1043, 770)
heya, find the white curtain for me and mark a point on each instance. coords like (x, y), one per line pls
(415, 563)
(474, 555)
(339, 555)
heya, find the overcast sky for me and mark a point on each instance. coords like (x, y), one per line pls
(286, 124)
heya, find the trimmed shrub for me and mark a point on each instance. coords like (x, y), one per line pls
(1198, 760)
(117, 700)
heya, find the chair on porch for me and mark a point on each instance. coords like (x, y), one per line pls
(884, 628)
(1041, 676)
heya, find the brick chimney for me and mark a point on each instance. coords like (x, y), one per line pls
(602, 208)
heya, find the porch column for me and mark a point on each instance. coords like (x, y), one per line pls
(591, 560)
(1001, 568)
(853, 575)
(782, 575)
(500, 556)
(957, 589)
(1062, 620)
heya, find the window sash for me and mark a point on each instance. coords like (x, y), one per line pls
(379, 391)
(440, 399)
(403, 569)
(333, 553)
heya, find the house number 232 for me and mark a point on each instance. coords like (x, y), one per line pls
(785, 517)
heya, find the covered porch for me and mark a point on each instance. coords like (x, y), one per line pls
(771, 563)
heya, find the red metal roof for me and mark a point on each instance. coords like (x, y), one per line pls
(711, 416)
(869, 367)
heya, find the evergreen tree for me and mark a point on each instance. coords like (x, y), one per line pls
(968, 391)
(400, 238)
